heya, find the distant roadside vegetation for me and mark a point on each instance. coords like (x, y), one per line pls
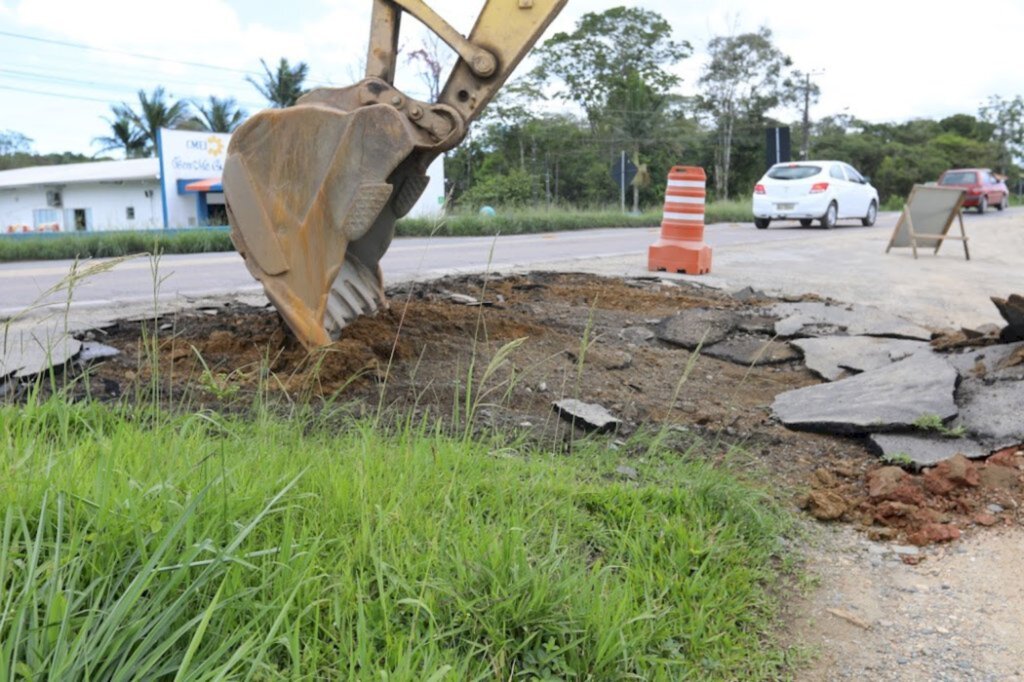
(458, 224)
(607, 94)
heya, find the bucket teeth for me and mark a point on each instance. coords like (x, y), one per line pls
(356, 291)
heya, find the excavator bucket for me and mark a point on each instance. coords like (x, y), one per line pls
(306, 182)
(313, 190)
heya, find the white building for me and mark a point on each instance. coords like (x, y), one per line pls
(179, 189)
(105, 195)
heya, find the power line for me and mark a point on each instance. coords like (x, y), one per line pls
(137, 55)
(120, 89)
(46, 66)
(82, 46)
(54, 94)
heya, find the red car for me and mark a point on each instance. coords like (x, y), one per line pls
(984, 189)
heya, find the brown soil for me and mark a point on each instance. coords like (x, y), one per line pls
(422, 353)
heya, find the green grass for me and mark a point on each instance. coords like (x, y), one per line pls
(513, 221)
(113, 244)
(140, 545)
(529, 221)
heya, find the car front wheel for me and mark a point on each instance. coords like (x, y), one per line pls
(982, 204)
(761, 223)
(828, 221)
(1004, 204)
(869, 219)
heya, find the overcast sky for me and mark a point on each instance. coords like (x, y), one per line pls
(880, 61)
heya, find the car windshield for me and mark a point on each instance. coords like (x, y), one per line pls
(958, 178)
(793, 172)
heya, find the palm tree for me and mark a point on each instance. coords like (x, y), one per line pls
(282, 87)
(124, 135)
(221, 116)
(155, 112)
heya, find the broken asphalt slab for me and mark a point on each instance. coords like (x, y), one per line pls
(752, 351)
(589, 416)
(705, 327)
(1000, 362)
(697, 327)
(890, 398)
(637, 336)
(93, 350)
(816, 318)
(923, 451)
(29, 351)
(993, 412)
(832, 357)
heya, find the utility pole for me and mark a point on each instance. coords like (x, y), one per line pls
(622, 180)
(805, 144)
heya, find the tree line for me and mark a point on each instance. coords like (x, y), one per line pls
(616, 67)
(608, 88)
(134, 127)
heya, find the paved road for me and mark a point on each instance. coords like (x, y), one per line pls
(25, 284)
(943, 290)
(785, 258)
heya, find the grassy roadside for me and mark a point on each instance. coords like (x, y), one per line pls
(138, 544)
(113, 244)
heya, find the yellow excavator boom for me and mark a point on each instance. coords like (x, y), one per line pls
(313, 190)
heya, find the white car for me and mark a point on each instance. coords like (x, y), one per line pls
(828, 191)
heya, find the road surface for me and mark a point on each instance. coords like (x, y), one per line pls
(27, 283)
(847, 263)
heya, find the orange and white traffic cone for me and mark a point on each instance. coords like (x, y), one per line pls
(681, 247)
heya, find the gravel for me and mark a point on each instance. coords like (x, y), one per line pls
(954, 616)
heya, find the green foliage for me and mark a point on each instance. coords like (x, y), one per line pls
(113, 244)
(219, 115)
(140, 545)
(523, 221)
(16, 152)
(933, 422)
(968, 126)
(12, 142)
(1006, 117)
(124, 136)
(514, 188)
(745, 77)
(284, 85)
(897, 156)
(137, 130)
(28, 160)
(616, 66)
(606, 50)
(531, 221)
(900, 459)
(904, 167)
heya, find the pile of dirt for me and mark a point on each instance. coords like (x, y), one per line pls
(933, 506)
(509, 347)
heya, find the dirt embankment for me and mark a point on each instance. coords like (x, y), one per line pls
(574, 336)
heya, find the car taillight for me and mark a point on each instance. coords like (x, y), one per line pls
(758, 189)
(819, 187)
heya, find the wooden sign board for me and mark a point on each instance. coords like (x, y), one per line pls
(927, 217)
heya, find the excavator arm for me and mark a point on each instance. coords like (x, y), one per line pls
(313, 190)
